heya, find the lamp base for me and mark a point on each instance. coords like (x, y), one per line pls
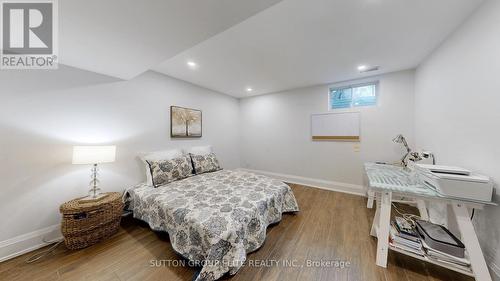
(94, 192)
(89, 199)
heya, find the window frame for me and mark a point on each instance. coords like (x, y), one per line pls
(351, 86)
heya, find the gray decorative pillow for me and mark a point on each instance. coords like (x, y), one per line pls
(205, 163)
(166, 171)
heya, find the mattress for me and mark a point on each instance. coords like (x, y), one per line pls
(214, 219)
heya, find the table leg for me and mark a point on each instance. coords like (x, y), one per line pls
(383, 228)
(376, 218)
(422, 209)
(471, 243)
(371, 198)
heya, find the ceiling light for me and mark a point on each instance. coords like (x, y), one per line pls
(362, 67)
(365, 68)
(249, 90)
(192, 64)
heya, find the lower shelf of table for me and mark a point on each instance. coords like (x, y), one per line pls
(426, 259)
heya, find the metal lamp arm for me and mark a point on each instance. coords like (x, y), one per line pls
(408, 149)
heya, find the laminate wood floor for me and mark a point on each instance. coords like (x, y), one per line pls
(331, 226)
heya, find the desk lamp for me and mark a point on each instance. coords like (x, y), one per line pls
(401, 139)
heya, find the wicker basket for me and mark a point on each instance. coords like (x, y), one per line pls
(86, 223)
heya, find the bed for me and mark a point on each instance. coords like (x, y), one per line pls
(214, 219)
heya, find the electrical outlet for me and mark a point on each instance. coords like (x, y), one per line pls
(356, 147)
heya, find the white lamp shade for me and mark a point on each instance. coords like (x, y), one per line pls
(94, 154)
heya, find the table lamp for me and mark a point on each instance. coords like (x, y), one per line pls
(93, 155)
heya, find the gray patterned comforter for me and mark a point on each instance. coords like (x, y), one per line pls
(214, 219)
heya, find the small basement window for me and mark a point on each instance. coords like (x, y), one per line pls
(353, 96)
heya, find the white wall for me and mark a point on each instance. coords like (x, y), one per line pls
(275, 132)
(458, 109)
(44, 113)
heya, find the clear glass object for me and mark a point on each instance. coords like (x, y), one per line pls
(94, 191)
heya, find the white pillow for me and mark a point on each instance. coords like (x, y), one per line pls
(155, 156)
(200, 150)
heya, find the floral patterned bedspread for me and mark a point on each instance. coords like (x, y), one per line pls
(214, 219)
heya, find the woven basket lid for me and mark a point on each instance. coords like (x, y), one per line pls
(76, 205)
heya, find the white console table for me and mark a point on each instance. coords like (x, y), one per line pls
(388, 181)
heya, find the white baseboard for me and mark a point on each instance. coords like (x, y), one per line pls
(28, 242)
(317, 183)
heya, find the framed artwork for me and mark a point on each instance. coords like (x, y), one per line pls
(185, 122)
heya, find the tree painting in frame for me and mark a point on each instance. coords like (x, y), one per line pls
(185, 122)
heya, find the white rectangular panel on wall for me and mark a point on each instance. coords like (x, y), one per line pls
(336, 126)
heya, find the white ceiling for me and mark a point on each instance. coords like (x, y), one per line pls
(297, 43)
(123, 38)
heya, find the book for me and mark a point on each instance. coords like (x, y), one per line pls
(407, 243)
(405, 229)
(404, 244)
(419, 252)
(402, 238)
(438, 255)
(454, 265)
(438, 237)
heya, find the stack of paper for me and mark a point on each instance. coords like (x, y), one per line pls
(403, 242)
(461, 263)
